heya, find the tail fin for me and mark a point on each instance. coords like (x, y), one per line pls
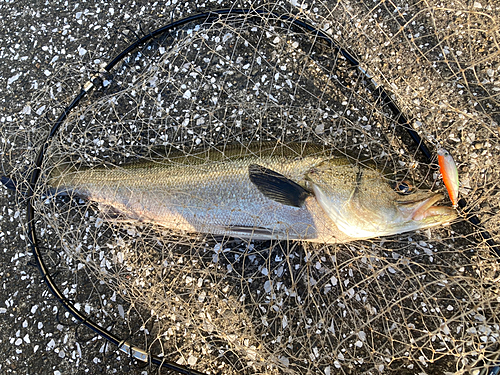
(12, 184)
(60, 177)
(56, 181)
(9, 183)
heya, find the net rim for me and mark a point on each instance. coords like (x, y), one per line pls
(210, 16)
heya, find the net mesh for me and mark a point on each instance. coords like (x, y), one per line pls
(419, 301)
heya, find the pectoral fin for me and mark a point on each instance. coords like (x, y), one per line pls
(277, 187)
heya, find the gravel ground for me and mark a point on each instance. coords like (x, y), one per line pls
(36, 40)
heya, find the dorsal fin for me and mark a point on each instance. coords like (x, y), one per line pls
(277, 187)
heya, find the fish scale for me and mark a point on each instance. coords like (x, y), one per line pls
(212, 192)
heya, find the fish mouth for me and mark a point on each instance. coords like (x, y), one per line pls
(425, 209)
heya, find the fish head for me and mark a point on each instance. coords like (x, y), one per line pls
(363, 203)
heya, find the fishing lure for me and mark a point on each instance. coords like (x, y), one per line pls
(449, 172)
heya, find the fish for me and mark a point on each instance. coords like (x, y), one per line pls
(298, 191)
(449, 172)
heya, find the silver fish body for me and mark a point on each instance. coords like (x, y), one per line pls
(288, 192)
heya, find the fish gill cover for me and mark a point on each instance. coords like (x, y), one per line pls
(423, 301)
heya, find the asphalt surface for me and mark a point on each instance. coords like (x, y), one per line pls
(38, 41)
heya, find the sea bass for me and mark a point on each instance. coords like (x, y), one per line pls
(281, 192)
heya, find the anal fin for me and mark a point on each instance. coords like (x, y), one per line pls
(112, 213)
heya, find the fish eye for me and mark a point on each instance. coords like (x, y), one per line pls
(403, 187)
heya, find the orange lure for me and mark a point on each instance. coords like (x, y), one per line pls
(449, 171)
